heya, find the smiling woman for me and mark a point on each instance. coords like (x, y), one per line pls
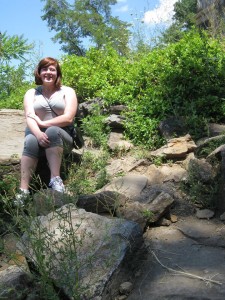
(49, 109)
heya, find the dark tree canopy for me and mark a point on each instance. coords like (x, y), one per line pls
(85, 22)
(185, 12)
(184, 18)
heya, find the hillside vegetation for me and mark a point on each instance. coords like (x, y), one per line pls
(185, 79)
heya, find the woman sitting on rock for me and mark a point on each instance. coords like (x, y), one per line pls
(49, 109)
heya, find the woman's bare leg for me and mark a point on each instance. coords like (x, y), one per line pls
(54, 157)
(28, 167)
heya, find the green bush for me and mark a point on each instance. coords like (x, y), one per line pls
(96, 74)
(15, 99)
(13, 86)
(90, 175)
(185, 79)
(182, 79)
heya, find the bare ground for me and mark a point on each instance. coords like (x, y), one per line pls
(11, 133)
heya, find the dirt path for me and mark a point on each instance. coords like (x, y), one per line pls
(11, 133)
(184, 261)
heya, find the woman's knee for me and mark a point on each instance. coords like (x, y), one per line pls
(54, 136)
(31, 147)
(52, 132)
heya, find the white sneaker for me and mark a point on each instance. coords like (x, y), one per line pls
(20, 198)
(56, 184)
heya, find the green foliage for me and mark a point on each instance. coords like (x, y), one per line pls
(182, 79)
(95, 128)
(201, 193)
(8, 184)
(86, 20)
(185, 12)
(184, 19)
(148, 215)
(12, 78)
(13, 47)
(143, 130)
(102, 73)
(15, 99)
(209, 146)
(193, 77)
(90, 175)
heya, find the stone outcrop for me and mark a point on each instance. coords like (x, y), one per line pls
(176, 148)
(79, 245)
(109, 226)
(116, 142)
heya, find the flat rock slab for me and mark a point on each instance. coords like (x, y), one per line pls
(11, 133)
(129, 185)
(171, 251)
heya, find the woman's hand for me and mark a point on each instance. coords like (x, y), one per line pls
(43, 139)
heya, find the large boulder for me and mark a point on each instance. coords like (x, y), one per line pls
(83, 253)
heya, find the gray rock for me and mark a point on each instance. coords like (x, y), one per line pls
(130, 185)
(78, 244)
(204, 214)
(86, 108)
(102, 202)
(216, 129)
(125, 288)
(14, 283)
(115, 121)
(117, 142)
(222, 217)
(13, 124)
(163, 222)
(117, 109)
(172, 251)
(171, 127)
(201, 170)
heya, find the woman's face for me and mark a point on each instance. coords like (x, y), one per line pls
(48, 74)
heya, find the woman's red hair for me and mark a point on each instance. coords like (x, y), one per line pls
(46, 62)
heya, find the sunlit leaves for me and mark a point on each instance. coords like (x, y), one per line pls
(13, 47)
(85, 23)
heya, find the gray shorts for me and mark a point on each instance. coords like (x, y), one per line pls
(57, 136)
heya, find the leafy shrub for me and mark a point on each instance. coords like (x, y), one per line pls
(90, 175)
(96, 74)
(202, 193)
(13, 86)
(95, 127)
(15, 99)
(183, 79)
